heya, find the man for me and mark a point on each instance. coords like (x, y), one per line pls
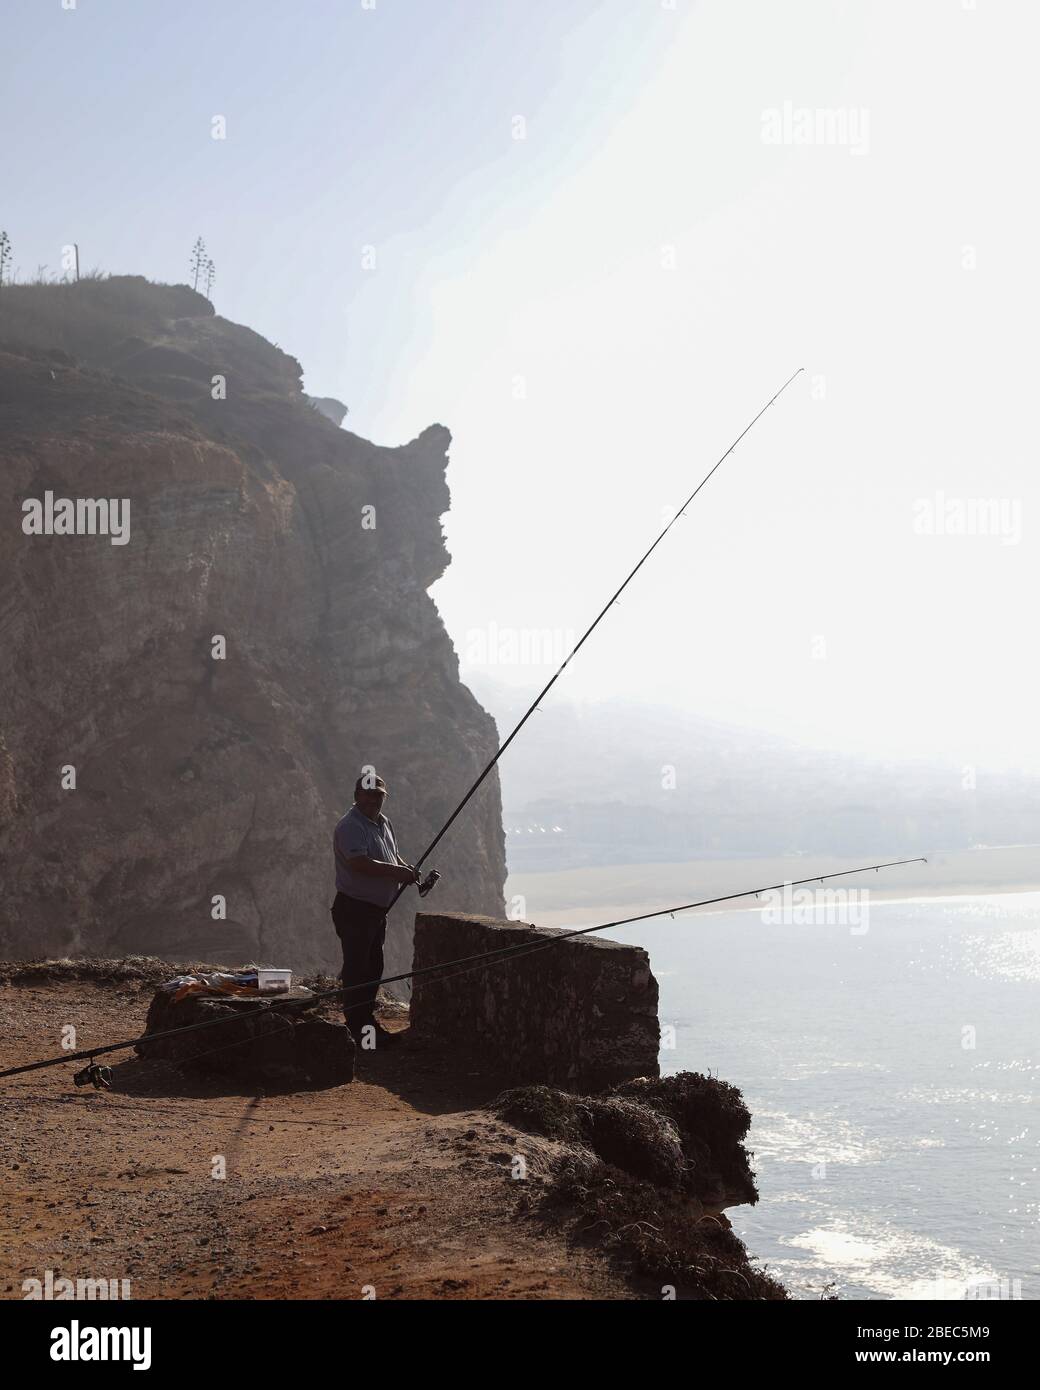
(369, 871)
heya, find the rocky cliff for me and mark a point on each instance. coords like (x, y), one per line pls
(183, 716)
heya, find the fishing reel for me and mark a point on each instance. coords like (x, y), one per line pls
(427, 883)
(95, 1075)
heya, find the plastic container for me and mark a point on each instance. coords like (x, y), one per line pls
(274, 981)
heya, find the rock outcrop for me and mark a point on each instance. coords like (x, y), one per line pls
(329, 407)
(646, 1171)
(215, 685)
(580, 1013)
(684, 1132)
(252, 1039)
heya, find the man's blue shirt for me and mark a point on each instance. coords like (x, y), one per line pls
(356, 834)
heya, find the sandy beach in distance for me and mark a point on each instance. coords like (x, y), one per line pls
(574, 896)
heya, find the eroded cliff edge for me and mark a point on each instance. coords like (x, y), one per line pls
(198, 777)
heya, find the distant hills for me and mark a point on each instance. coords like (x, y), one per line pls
(615, 781)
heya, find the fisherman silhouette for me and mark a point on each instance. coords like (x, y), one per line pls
(370, 875)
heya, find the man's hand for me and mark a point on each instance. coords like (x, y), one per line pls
(408, 874)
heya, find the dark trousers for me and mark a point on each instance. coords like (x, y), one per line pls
(361, 928)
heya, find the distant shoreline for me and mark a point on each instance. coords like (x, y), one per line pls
(556, 897)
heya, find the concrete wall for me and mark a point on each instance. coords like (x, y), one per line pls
(581, 1015)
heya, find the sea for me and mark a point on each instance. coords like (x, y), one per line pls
(890, 1058)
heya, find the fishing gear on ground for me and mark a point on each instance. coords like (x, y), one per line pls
(94, 1075)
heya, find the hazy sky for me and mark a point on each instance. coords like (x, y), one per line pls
(603, 235)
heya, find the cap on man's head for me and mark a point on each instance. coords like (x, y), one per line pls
(369, 783)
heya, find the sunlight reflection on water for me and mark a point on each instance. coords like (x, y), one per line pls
(891, 1078)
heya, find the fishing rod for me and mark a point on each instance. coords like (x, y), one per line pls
(91, 1073)
(527, 947)
(485, 959)
(478, 961)
(426, 884)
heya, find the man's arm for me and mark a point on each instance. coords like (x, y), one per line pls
(379, 868)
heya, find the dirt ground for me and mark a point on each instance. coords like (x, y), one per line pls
(395, 1186)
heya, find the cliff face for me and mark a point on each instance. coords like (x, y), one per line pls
(252, 518)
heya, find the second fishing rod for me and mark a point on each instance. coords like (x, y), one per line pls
(479, 961)
(426, 884)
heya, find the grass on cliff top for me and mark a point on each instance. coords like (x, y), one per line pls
(143, 332)
(91, 316)
(644, 1171)
(657, 1235)
(684, 1132)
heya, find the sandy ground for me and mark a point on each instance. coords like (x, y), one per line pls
(396, 1184)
